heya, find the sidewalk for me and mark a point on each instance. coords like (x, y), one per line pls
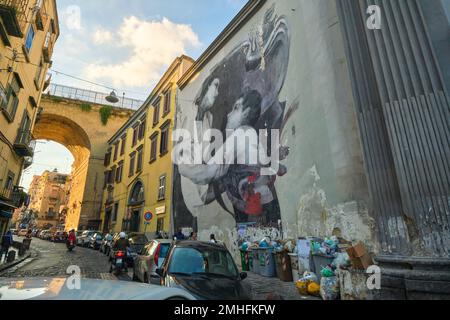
(263, 286)
(5, 266)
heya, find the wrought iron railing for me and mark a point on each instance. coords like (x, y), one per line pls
(62, 91)
(21, 10)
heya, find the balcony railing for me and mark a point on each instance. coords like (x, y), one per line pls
(91, 96)
(24, 145)
(15, 14)
(15, 196)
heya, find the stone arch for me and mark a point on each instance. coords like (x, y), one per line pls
(66, 132)
(71, 135)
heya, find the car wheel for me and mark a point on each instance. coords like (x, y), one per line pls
(135, 278)
(146, 278)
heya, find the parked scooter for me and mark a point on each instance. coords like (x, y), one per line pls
(118, 263)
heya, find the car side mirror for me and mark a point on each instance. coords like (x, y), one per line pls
(160, 272)
(243, 275)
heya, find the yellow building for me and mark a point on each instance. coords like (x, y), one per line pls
(138, 163)
(28, 32)
(48, 193)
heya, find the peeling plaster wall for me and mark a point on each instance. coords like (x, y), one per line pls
(325, 188)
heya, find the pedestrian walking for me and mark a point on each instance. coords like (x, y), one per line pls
(7, 241)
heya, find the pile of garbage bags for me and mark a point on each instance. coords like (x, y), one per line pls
(277, 245)
(326, 285)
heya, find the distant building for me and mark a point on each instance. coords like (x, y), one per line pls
(48, 198)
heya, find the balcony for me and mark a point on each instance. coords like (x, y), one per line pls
(14, 14)
(41, 16)
(24, 146)
(48, 48)
(16, 196)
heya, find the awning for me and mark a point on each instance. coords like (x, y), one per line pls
(6, 214)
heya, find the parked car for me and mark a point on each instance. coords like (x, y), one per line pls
(59, 236)
(150, 258)
(78, 235)
(22, 233)
(95, 241)
(137, 242)
(35, 233)
(45, 235)
(206, 270)
(85, 237)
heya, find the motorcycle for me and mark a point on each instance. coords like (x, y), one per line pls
(118, 263)
(70, 245)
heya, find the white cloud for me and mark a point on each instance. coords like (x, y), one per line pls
(102, 36)
(154, 45)
(71, 15)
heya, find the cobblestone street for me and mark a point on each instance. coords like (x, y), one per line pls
(52, 259)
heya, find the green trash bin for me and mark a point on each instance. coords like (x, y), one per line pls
(245, 260)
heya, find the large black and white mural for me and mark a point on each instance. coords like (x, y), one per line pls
(281, 77)
(241, 92)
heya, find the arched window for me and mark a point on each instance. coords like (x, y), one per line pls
(137, 194)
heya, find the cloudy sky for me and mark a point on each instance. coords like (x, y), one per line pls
(126, 45)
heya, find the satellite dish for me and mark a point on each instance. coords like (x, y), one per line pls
(112, 97)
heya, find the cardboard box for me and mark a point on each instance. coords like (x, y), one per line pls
(359, 256)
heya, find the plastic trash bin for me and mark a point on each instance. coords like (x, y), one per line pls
(294, 266)
(245, 260)
(255, 260)
(266, 262)
(320, 261)
(283, 266)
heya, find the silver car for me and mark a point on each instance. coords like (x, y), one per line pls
(150, 258)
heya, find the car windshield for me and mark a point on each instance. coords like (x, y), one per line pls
(164, 250)
(138, 239)
(208, 261)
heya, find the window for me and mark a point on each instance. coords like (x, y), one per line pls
(137, 194)
(141, 133)
(162, 188)
(139, 159)
(164, 139)
(116, 150)
(11, 102)
(24, 135)
(107, 158)
(160, 225)
(9, 181)
(167, 100)
(135, 135)
(37, 76)
(30, 37)
(119, 172)
(156, 112)
(112, 175)
(115, 212)
(106, 179)
(132, 160)
(122, 148)
(154, 146)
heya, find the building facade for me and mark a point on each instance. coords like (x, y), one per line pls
(360, 112)
(28, 32)
(138, 164)
(49, 196)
